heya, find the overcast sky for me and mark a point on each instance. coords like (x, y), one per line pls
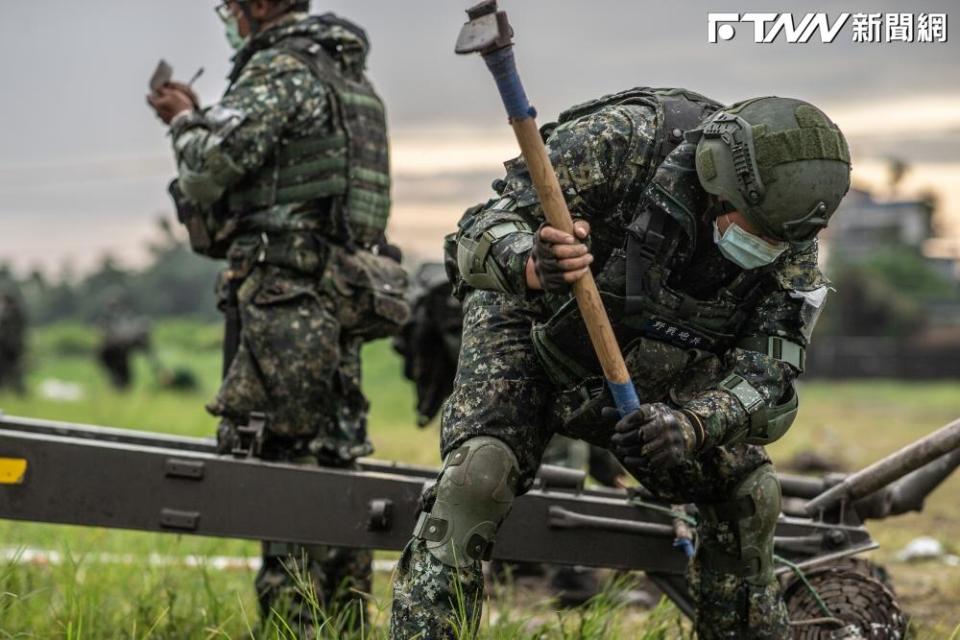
(83, 163)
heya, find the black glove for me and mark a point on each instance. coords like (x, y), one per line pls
(557, 263)
(657, 436)
(547, 265)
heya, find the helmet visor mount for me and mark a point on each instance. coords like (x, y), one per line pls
(737, 134)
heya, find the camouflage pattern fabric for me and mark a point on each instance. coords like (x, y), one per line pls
(502, 389)
(272, 96)
(296, 364)
(298, 359)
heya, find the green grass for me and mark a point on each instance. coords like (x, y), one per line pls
(82, 598)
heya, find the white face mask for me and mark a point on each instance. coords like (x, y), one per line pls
(746, 250)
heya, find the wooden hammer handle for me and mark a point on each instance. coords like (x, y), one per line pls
(558, 215)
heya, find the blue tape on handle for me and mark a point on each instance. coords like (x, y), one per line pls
(625, 396)
(685, 545)
(503, 66)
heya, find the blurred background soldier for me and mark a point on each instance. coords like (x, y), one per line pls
(13, 328)
(123, 334)
(430, 341)
(287, 178)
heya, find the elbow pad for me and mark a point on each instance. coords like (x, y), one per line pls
(766, 424)
(476, 262)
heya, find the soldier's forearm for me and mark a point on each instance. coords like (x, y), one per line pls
(204, 171)
(756, 402)
(720, 414)
(496, 262)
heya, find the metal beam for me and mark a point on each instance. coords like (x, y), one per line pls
(84, 481)
(94, 476)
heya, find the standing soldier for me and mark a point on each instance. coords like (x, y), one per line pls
(287, 178)
(702, 222)
(13, 328)
(123, 333)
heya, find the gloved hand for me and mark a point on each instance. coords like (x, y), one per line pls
(558, 259)
(657, 436)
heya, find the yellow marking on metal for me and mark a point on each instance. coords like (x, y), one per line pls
(12, 470)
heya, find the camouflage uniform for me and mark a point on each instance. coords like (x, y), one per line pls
(519, 389)
(437, 318)
(13, 325)
(287, 178)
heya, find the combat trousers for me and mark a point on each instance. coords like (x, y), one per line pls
(295, 365)
(502, 391)
(309, 586)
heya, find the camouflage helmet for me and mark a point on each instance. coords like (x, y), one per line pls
(781, 162)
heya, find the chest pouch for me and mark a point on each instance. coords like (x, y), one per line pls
(375, 289)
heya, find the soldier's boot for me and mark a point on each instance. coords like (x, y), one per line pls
(732, 579)
(438, 585)
(314, 586)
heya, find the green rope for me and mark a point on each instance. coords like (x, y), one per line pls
(803, 578)
(676, 515)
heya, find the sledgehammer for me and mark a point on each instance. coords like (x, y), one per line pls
(488, 33)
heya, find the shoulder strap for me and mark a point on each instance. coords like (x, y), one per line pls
(323, 67)
(649, 239)
(312, 54)
(333, 20)
(680, 114)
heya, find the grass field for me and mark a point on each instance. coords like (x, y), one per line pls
(138, 597)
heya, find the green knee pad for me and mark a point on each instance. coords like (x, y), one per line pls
(753, 511)
(474, 494)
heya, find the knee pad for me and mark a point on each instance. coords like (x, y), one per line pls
(473, 496)
(753, 511)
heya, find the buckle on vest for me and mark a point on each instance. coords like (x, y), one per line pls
(250, 436)
(264, 245)
(746, 393)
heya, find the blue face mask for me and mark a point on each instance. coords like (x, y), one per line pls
(232, 26)
(745, 249)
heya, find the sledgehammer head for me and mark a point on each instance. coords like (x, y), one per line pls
(487, 30)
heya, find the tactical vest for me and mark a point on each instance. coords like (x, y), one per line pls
(634, 280)
(346, 173)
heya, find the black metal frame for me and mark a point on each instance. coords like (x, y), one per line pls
(96, 476)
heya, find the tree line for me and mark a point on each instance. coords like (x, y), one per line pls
(174, 282)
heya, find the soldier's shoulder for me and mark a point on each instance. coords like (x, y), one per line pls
(640, 101)
(276, 77)
(800, 270)
(273, 62)
(608, 119)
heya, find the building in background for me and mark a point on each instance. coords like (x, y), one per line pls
(866, 224)
(896, 312)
